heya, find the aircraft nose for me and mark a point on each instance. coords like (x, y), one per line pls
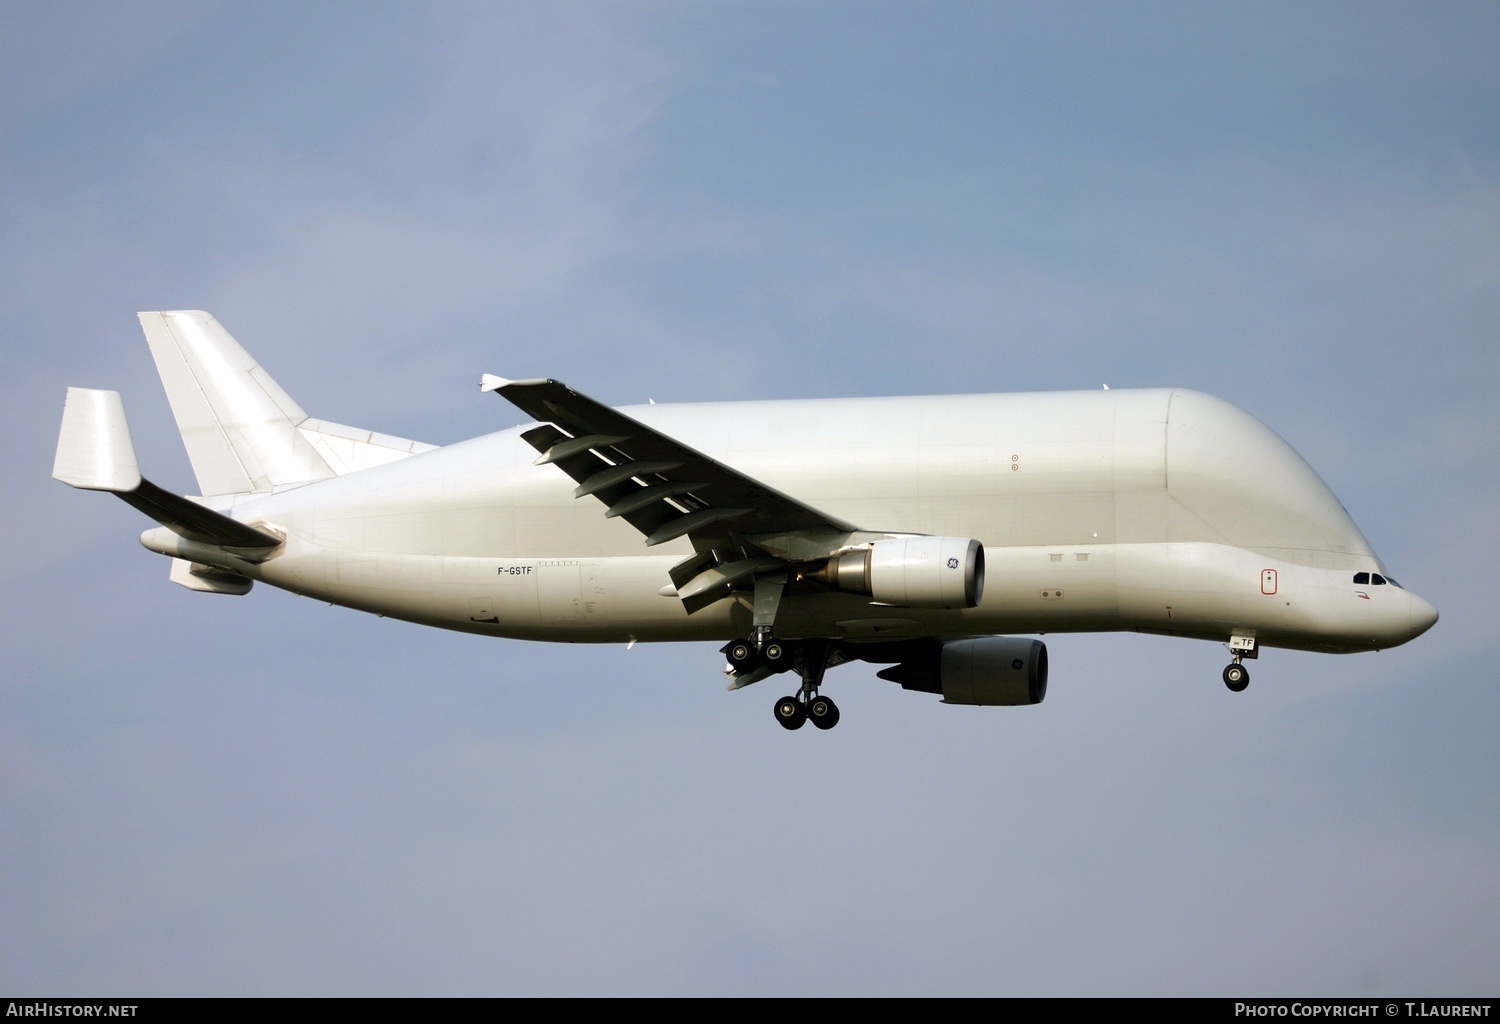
(1422, 614)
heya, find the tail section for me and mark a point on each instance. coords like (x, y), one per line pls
(94, 452)
(243, 433)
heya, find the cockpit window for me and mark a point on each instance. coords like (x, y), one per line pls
(1361, 577)
(1392, 581)
(1377, 579)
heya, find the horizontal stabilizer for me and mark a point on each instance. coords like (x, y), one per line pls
(94, 452)
(192, 521)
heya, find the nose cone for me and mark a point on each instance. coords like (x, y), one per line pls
(1422, 615)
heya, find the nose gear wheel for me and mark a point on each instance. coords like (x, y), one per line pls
(1236, 677)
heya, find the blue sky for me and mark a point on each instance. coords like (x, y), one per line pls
(1296, 207)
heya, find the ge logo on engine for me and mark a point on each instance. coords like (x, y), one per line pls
(953, 563)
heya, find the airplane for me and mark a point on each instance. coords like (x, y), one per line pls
(921, 534)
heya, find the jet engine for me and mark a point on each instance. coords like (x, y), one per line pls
(995, 670)
(911, 572)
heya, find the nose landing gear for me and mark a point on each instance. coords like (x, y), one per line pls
(1237, 676)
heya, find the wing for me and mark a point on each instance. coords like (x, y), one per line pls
(664, 488)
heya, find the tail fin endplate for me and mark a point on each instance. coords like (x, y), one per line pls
(94, 450)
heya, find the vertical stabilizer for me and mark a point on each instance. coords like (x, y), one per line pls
(242, 432)
(239, 427)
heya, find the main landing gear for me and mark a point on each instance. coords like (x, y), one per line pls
(808, 705)
(746, 655)
(810, 656)
(791, 712)
(763, 654)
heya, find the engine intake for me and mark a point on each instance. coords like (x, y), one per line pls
(912, 572)
(992, 670)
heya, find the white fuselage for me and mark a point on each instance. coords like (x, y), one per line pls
(1164, 511)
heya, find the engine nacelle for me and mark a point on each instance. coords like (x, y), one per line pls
(994, 670)
(912, 572)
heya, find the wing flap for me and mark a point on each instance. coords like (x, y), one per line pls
(668, 490)
(726, 575)
(622, 458)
